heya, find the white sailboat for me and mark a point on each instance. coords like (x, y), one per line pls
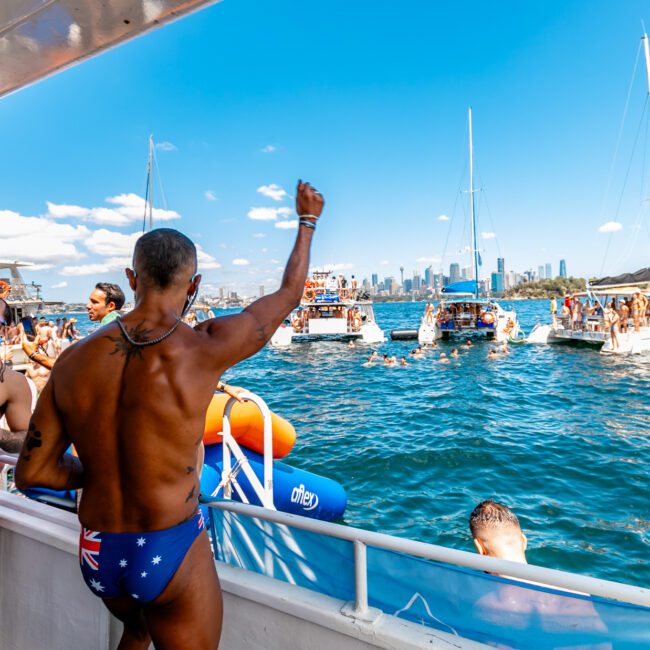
(462, 311)
(613, 313)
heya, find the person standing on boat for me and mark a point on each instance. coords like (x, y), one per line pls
(132, 398)
(612, 320)
(554, 312)
(623, 314)
(104, 303)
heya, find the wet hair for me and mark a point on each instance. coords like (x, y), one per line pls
(113, 293)
(161, 255)
(5, 313)
(490, 514)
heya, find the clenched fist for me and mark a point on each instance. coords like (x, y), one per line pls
(309, 201)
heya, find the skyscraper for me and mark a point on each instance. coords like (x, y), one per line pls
(563, 268)
(497, 283)
(540, 272)
(375, 279)
(454, 272)
(549, 271)
(501, 265)
(428, 276)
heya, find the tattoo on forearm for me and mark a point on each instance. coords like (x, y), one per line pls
(33, 441)
(123, 347)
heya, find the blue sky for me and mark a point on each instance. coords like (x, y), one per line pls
(367, 100)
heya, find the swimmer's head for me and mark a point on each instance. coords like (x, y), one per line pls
(496, 532)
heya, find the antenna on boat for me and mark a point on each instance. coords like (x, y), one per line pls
(646, 51)
(148, 197)
(471, 203)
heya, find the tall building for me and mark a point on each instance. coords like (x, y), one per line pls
(467, 273)
(417, 281)
(540, 272)
(563, 268)
(401, 271)
(428, 276)
(454, 272)
(501, 265)
(497, 283)
(375, 279)
(408, 285)
(549, 271)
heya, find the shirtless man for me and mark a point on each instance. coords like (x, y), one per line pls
(47, 340)
(624, 314)
(612, 319)
(554, 312)
(428, 314)
(643, 299)
(15, 400)
(145, 382)
(636, 311)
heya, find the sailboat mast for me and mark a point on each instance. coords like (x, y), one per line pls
(471, 202)
(646, 51)
(150, 192)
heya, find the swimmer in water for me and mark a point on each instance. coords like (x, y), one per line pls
(492, 354)
(469, 343)
(454, 352)
(402, 362)
(504, 348)
(443, 358)
(351, 344)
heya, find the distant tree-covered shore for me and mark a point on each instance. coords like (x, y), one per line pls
(557, 287)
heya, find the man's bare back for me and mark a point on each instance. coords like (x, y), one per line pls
(132, 398)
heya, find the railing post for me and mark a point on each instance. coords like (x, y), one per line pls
(360, 578)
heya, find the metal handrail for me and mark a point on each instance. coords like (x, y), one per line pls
(553, 578)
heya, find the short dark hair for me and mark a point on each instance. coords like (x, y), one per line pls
(113, 293)
(162, 254)
(5, 313)
(490, 514)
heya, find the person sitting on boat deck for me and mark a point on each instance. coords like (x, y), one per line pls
(454, 352)
(145, 382)
(15, 399)
(443, 358)
(612, 320)
(105, 302)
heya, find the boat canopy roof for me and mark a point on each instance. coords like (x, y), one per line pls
(641, 276)
(41, 37)
(466, 287)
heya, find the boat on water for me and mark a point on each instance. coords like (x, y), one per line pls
(25, 302)
(462, 310)
(328, 311)
(586, 318)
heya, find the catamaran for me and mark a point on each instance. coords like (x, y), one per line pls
(330, 312)
(463, 311)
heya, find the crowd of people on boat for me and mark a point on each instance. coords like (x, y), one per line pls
(324, 284)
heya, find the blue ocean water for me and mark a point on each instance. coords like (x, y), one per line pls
(559, 434)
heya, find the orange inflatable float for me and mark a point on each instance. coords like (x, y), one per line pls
(247, 426)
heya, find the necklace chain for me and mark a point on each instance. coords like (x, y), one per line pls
(142, 344)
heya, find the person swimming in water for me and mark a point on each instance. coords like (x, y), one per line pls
(132, 398)
(454, 352)
(469, 343)
(403, 362)
(443, 358)
(492, 354)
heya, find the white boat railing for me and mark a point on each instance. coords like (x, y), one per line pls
(363, 538)
(264, 492)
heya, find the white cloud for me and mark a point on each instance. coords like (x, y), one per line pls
(39, 239)
(165, 146)
(59, 285)
(340, 266)
(206, 261)
(210, 195)
(62, 211)
(240, 261)
(611, 226)
(268, 149)
(488, 235)
(384, 263)
(37, 267)
(85, 269)
(259, 235)
(265, 250)
(272, 191)
(268, 214)
(443, 217)
(274, 261)
(431, 260)
(109, 243)
(287, 225)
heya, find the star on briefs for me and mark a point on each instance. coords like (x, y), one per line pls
(143, 574)
(123, 563)
(156, 560)
(141, 541)
(96, 585)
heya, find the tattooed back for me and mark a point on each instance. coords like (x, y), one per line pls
(136, 417)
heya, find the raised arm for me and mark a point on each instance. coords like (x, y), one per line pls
(242, 335)
(43, 461)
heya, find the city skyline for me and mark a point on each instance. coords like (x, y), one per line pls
(386, 116)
